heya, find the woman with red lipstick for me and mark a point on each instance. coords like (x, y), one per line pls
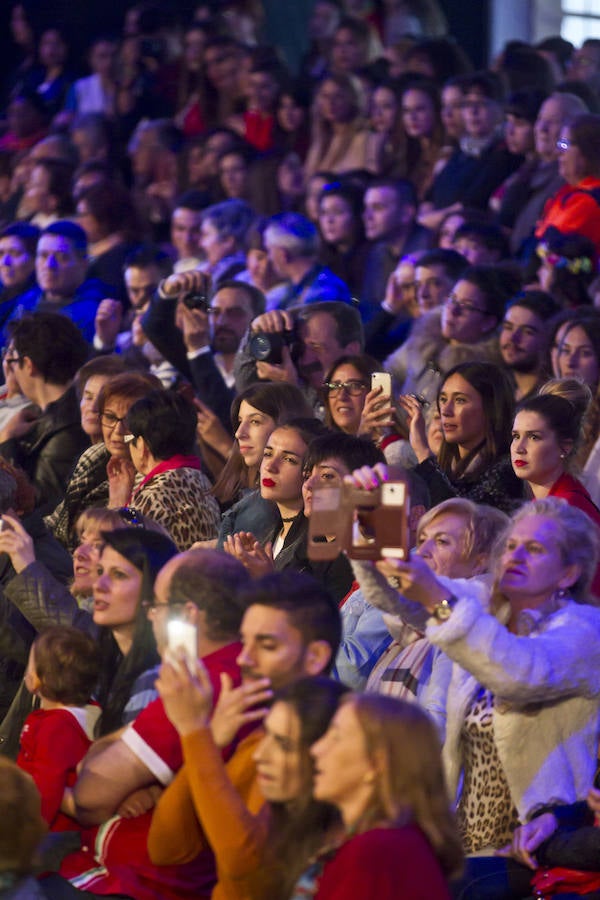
(545, 439)
(475, 403)
(254, 414)
(281, 477)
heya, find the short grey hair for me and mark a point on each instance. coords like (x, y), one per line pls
(293, 232)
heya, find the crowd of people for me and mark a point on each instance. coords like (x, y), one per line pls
(235, 292)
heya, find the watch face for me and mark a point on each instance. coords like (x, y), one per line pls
(442, 611)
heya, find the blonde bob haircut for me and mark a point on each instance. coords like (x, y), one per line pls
(483, 524)
(402, 742)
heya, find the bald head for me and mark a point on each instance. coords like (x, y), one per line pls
(204, 586)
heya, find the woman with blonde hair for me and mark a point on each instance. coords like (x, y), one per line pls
(519, 709)
(340, 136)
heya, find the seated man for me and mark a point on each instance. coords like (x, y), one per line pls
(202, 343)
(320, 333)
(61, 265)
(203, 588)
(45, 352)
(435, 273)
(463, 329)
(291, 628)
(524, 340)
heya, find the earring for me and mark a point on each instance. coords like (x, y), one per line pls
(563, 455)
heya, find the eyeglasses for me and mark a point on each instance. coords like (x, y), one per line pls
(131, 516)
(152, 605)
(460, 308)
(110, 420)
(354, 388)
(11, 360)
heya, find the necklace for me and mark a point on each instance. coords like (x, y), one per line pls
(290, 519)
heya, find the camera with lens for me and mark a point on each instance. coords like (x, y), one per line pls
(196, 301)
(267, 346)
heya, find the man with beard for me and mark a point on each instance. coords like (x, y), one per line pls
(315, 337)
(200, 337)
(523, 340)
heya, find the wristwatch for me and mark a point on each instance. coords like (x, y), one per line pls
(443, 610)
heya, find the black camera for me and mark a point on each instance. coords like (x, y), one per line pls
(267, 346)
(196, 301)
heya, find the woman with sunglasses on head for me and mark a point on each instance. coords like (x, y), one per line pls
(43, 600)
(476, 404)
(521, 711)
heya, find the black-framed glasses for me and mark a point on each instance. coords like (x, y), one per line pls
(131, 516)
(353, 387)
(110, 420)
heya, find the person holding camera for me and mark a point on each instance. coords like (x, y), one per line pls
(298, 346)
(200, 334)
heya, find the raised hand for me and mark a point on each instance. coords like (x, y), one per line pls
(239, 706)
(15, 541)
(187, 696)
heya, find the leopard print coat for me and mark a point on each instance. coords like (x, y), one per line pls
(180, 500)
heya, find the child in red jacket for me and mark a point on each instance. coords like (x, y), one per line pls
(62, 671)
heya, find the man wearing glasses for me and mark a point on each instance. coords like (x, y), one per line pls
(45, 352)
(465, 328)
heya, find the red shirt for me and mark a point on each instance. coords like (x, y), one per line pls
(53, 743)
(116, 858)
(384, 864)
(573, 209)
(574, 492)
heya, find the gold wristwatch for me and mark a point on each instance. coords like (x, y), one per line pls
(443, 610)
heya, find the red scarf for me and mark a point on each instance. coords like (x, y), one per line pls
(179, 461)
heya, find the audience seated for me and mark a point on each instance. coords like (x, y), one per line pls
(206, 233)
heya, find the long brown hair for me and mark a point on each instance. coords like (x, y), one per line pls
(402, 741)
(279, 401)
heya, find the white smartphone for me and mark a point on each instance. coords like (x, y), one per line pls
(382, 380)
(393, 517)
(182, 636)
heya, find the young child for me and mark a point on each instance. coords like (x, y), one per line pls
(62, 671)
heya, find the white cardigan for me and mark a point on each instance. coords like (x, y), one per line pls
(547, 696)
